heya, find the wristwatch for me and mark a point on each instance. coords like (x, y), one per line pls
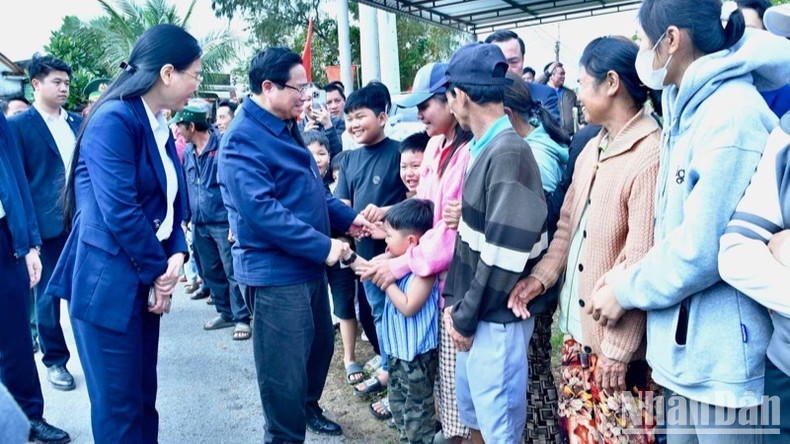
(350, 260)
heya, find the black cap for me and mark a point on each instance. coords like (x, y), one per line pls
(481, 64)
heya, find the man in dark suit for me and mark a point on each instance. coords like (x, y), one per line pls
(513, 47)
(45, 135)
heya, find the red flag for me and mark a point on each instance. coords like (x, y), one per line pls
(307, 54)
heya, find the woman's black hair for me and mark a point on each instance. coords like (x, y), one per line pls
(460, 137)
(519, 100)
(701, 18)
(618, 54)
(157, 46)
(374, 96)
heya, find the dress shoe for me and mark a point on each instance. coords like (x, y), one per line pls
(60, 378)
(201, 293)
(319, 424)
(41, 432)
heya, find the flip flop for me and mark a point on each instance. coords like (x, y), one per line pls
(373, 364)
(385, 402)
(218, 323)
(372, 386)
(354, 369)
(242, 332)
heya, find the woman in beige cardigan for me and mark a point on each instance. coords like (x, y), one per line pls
(605, 221)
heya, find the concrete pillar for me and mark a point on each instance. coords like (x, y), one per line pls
(388, 51)
(344, 43)
(369, 43)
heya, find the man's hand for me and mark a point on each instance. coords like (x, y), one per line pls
(462, 343)
(451, 214)
(166, 283)
(33, 263)
(610, 374)
(525, 290)
(779, 245)
(336, 251)
(604, 308)
(323, 117)
(361, 227)
(379, 273)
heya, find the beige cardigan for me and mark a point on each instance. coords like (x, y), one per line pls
(621, 187)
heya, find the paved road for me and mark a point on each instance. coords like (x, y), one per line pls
(207, 385)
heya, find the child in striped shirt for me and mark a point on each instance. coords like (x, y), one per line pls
(409, 325)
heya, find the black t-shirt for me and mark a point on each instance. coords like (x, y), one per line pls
(371, 175)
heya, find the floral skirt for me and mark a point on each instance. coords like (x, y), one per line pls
(592, 415)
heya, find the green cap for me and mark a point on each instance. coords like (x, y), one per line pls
(190, 113)
(95, 87)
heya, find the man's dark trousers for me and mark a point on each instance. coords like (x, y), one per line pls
(216, 268)
(50, 334)
(293, 341)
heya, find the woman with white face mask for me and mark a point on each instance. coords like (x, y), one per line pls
(705, 341)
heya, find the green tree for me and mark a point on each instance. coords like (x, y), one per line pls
(74, 43)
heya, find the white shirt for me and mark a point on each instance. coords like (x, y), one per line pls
(2, 210)
(60, 130)
(161, 134)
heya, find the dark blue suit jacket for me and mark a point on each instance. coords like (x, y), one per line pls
(547, 96)
(15, 196)
(120, 186)
(43, 165)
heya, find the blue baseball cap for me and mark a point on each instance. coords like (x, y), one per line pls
(427, 83)
(481, 64)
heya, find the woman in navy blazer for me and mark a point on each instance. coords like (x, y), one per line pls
(125, 199)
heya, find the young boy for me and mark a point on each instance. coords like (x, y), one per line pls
(412, 150)
(409, 325)
(317, 143)
(369, 176)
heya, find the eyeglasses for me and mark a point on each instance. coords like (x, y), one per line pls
(198, 77)
(301, 90)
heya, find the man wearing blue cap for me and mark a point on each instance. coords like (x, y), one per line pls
(501, 235)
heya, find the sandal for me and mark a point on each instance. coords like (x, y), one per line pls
(372, 387)
(373, 364)
(218, 323)
(385, 404)
(242, 332)
(354, 373)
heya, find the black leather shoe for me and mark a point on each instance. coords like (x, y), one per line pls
(319, 424)
(41, 432)
(60, 378)
(201, 293)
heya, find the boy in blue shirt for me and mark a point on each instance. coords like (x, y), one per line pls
(370, 179)
(409, 333)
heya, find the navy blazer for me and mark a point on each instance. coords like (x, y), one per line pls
(15, 196)
(121, 201)
(547, 96)
(43, 165)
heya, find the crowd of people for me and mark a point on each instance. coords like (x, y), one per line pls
(647, 214)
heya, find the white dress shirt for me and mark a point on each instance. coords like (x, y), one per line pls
(161, 134)
(60, 130)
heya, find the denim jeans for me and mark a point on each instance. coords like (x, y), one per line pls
(216, 262)
(293, 342)
(376, 299)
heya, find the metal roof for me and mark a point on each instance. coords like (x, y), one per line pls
(484, 16)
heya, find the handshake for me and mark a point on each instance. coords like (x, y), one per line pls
(361, 227)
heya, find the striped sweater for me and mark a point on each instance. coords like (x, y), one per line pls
(501, 235)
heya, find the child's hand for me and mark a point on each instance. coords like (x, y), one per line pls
(361, 227)
(779, 246)
(311, 125)
(451, 214)
(378, 232)
(372, 213)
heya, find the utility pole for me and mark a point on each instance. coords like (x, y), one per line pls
(557, 45)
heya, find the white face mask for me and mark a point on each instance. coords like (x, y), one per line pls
(653, 79)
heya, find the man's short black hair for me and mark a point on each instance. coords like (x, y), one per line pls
(230, 105)
(7, 101)
(40, 66)
(480, 94)
(199, 126)
(273, 64)
(528, 69)
(415, 142)
(759, 6)
(374, 96)
(314, 136)
(414, 216)
(335, 86)
(505, 35)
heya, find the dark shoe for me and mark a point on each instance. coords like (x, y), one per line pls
(60, 378)
(210, 300)
(319, 424)
(41, 432)
(201, 293)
